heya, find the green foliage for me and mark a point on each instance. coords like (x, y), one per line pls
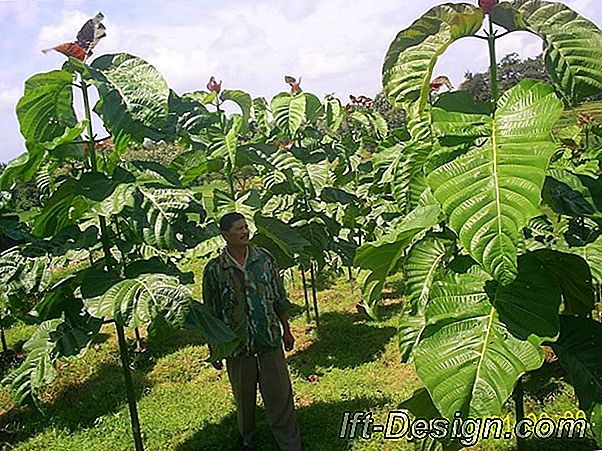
(481, 336)
(573, 59)
(410, 60)
(134, 97)
(490, 193)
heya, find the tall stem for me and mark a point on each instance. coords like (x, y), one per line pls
(104, 236)
(2, 337)
(131, 395)
(492, 64)
(313, 292)
(305, 294)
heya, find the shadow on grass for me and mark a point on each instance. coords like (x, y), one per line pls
(345, 340)
(77, 404)
(319, 422)
(74, 406)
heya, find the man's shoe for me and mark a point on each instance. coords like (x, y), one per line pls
(246, 448)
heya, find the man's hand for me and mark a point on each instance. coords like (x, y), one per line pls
(218, 365)
(289, 340)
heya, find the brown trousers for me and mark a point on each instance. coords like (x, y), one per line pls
(269, 370)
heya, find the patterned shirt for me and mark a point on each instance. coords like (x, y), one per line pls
(248, 300)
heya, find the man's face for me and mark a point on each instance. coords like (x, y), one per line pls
(238, 234)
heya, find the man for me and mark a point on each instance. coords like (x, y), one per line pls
(243, 288)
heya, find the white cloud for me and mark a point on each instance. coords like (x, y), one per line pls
(9, 97)
(65, 31)
(14, 12)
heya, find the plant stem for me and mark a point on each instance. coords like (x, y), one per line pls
(519, 407)
(231, 182)
(313, 293)
(305, 294)
(131, 395)
(88, 113)
(492, 64)
(104, 236)
(138, 340)
(2, 337)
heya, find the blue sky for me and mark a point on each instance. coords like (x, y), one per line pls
(337, 46)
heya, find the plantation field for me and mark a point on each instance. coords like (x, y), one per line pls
(350, 364)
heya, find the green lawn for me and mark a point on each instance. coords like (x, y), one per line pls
(350, 363)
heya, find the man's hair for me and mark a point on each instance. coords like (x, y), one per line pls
(228, 219)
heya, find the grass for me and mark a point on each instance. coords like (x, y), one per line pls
(349, 364)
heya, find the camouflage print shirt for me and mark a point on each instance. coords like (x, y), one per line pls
(248, 300)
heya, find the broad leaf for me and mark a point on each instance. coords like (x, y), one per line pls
(38, 368)
(409, 63)
(491, 193)
(573, 195)
(574, 278)
(572, 44)
(136, 302)
(193, 164)
(161, 216)
(420, 268)
(243, 100)
(188, 116)
(281, 239)
(379, 258)
(482, 336)
(27, 165)
(46, 109)
(592, 253)
(289, 111)
(134, 97)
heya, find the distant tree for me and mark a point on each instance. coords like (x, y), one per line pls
(511, 70)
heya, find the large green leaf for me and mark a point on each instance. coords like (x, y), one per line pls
(46, 109)
(310, 178)
(92, 192)
(411, 57)
(289, 111)
(38, 368)
(221, 339)
(194, 163)
(27, 165)
(572, 44)
(136, 302)
(163, 215)
(490, 193)
(158, 300)
(134, 97)
(243, 100)
(280, 239)
(573, 195)
(379, 258)
(592, 253)
(51, 339)
(481, 336)
(420, 268)
(225, 144)
(574, 278)
(188, 116)
(578, 350)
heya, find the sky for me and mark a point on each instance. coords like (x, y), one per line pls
(336, 46)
